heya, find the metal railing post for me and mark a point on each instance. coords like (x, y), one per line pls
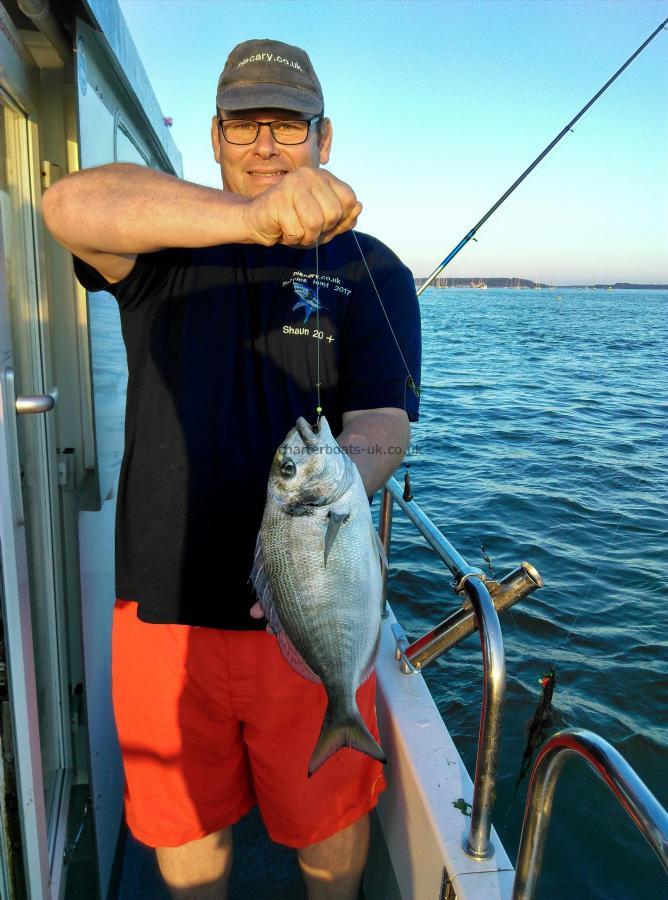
(612, 768)
(478, 844)
(470, 580)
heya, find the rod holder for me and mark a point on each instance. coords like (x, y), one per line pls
(459, 625)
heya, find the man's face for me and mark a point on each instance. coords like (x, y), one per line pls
(249, 169)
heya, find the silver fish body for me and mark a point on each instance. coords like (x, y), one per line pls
(317, 576)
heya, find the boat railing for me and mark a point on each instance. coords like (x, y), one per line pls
(482, 597)
(634, 796)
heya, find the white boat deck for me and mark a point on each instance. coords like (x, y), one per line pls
(422, 828)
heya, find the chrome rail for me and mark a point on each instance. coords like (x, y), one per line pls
(444, 549)
(472, 582)
(636, 798)
(460, 624)
(477, 843)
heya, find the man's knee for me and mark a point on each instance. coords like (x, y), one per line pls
(340, 858)
(199, 869)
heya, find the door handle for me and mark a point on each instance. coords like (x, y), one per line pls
(36, 403)
(28, 404)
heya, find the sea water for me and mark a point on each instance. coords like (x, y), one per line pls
(542, 437)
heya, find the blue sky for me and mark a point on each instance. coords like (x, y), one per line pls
(439, 106)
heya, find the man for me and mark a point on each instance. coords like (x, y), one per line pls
(241, 309)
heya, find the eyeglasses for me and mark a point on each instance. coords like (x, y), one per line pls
(283, 131)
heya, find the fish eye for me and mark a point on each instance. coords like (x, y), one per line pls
(288, 468)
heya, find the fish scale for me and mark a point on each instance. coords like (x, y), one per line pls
(323, 604)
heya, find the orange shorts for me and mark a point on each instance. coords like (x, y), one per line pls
(212, 722)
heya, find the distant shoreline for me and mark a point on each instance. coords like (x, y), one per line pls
(526, 283)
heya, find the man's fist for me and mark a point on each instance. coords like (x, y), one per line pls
(308, 205)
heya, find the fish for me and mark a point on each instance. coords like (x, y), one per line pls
(308, 299)
(317, 576)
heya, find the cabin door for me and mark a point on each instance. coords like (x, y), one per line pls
(35, 766)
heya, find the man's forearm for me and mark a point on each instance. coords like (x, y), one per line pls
(127, 209)
(377, 443)
(121, 210)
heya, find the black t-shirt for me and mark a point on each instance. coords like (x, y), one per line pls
(222, 359)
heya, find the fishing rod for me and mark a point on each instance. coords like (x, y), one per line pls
(533, 165)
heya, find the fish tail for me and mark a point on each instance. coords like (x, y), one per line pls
(348, 730)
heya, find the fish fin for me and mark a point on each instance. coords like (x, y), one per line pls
(335, 521)
(379, 547)
(260, 582)
(294, 658)
(262, 588)
(348, 731)
(297, 305)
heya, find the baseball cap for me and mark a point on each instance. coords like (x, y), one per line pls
(266, 73)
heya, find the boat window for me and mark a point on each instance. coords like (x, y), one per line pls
(126, 148)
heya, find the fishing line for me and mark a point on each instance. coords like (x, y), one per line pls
(544, 706)
(410, 381)
(318, 407)
(470, 235)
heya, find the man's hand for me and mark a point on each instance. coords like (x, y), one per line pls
(308, 205)
(108, 215)
(376, 441)
(256, 613)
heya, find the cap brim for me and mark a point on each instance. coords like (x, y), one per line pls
(269, 96)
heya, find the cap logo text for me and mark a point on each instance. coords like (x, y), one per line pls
(268, 57)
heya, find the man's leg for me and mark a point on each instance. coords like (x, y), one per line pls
(198, 870)
(334, 867)
(325, 817)
(184, 758)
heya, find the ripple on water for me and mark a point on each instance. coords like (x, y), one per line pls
(551, 451)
